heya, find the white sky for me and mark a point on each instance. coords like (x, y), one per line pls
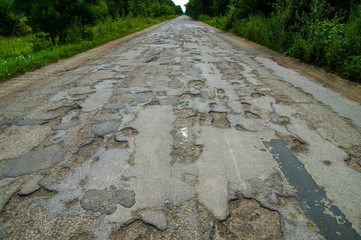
(181, 3)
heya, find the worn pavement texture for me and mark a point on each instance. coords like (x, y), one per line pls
(180, 133)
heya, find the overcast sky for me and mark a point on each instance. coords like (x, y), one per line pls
(181, 3)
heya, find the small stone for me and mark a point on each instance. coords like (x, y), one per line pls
(31, 186)
(66, 126)
(104, 128)
(155, 218)
(359, 163)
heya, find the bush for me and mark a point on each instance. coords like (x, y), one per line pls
(41, 41)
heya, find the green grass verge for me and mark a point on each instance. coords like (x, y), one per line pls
(17, 54)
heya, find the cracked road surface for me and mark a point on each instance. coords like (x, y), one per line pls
(180, 133)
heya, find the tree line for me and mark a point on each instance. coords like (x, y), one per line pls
(56, 17)
(325, 33)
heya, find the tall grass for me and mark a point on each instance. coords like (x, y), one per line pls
(22, 54)
(329, 44)
(15, 46)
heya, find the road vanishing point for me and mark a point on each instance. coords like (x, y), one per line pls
(180, 131)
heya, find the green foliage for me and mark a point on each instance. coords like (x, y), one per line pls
(56, 29)
(325, 33)
(8, 23)
(41, 41)
(15, 46)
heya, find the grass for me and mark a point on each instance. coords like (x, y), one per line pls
(23, 54)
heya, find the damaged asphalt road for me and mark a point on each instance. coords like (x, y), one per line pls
(180, 133)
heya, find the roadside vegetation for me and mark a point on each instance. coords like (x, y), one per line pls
(324, 33)
(34, 33)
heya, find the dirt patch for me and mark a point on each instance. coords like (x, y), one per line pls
(219, 119)
(191, 220)
(137, 231)
(83, 236)
(354, 157)
(112, 143)
(185, 150)
(248, 220)
(33, 223)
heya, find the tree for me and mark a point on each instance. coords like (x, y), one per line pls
(8, 23)
(55, 16)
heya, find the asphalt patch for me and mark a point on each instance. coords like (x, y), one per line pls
(313, 199)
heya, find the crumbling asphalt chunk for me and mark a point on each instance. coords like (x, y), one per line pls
(103, 128)
(114, 106)
(31, 186)
(32, 162)
(31, 122)
(105, 201)
(155, 218)
(66, 126)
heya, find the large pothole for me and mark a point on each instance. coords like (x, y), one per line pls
(248, 220)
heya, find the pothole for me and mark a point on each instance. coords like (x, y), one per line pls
(185, 150)
(136, 231)
(190, 220)
(245, 104)
(252, 115)
(354, 157)
(240, 128)
(186, 153)
(129, 131)
(189, 96)
(354, 162)
(87, 151)
(280, 120)
(219, 119)
(113, 143)
(295, 144)
(257, 95)
(327, 162)
(213, 105)
(195, 83)
(248, 220)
